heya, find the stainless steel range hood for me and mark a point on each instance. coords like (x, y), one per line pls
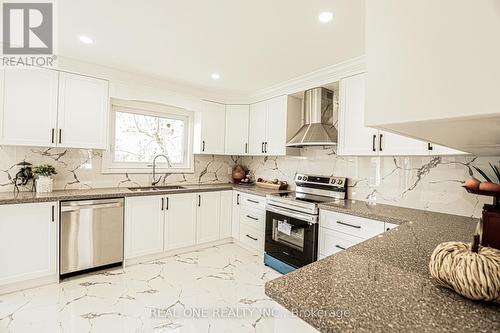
(318, 128)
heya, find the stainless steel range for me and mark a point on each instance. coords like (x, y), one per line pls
(292, 221)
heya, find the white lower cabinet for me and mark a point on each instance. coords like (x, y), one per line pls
(235, 220)
(226, 205)
(144, 220)
(207, 217)
(340, 231)
(28, 242)
(155, 224)
(180, 221)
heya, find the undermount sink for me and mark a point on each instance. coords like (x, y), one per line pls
(156, 188)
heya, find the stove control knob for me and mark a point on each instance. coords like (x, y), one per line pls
(339, 182)
(299, 177)
(332, 181)
(304, 178)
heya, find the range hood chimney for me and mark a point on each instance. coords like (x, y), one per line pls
(318, 129)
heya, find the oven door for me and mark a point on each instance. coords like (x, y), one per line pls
(290, 237)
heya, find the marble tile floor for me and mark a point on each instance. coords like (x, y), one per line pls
(217, 289)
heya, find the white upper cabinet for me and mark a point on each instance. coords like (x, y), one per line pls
(390, 144)
(83, 112)
(210, 126)
(47, 108)
(30, 107)
(207, 217)
(354, 137)
(257, 128)
(272, 123)
(28, 242)
(433, 77)
(180, 220)
(358, 140)
(237, 117)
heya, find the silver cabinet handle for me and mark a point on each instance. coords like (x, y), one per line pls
(253, 218)
(340, 247)
(255, 239)
(349, 225)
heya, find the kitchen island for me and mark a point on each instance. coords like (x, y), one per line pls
(383, 284)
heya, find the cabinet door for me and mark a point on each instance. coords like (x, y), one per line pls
(442, 150)
(143, 226)
(276, 126)
(257, 128)
(354, 137)
(213, 122)
(235, 221)
(226, 205)
(390, 144)
(83, 112)
(237, 117)
(180, 220)
(207, 217)
(30, 107)
(331, 241)
(28, 241)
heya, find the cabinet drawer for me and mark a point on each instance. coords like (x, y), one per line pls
(350, 224)
(253, 201)
(252, 237)
(253, 218)
(331, 241)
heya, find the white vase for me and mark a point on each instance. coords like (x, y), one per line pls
(44, 184)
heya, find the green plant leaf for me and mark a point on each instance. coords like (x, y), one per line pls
(482, 174)
(496, 170)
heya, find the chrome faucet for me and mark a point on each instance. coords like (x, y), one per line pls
(156, 181)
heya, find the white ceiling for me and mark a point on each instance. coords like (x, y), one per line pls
(253, 44)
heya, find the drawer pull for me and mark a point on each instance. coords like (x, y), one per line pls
(255, 239)
(252, 201)
(349, 225)
(340, 247)
(253, 218)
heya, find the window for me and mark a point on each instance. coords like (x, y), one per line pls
(140, 131)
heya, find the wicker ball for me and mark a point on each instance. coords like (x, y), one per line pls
(470, 274)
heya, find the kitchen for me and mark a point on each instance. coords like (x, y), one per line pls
(228, 193)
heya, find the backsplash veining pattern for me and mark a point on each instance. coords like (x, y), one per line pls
(430, 182)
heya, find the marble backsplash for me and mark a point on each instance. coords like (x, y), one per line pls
(430, 182)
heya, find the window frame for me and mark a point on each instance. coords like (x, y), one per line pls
(109, 166)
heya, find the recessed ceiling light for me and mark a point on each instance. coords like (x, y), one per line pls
(86, 40)
(325, 17)
(215, 76)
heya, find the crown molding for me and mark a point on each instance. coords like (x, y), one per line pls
(314, 79)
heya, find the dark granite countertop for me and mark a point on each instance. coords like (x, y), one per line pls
(100, 193)
(383, 284)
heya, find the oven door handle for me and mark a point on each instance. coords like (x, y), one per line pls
(311, 219)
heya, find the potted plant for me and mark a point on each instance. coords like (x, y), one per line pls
(44, 181)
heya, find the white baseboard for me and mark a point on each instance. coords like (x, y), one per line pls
(17, 286)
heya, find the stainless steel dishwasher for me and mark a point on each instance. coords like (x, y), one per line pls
(91, 235)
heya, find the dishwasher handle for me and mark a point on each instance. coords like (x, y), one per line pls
(75, 208)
